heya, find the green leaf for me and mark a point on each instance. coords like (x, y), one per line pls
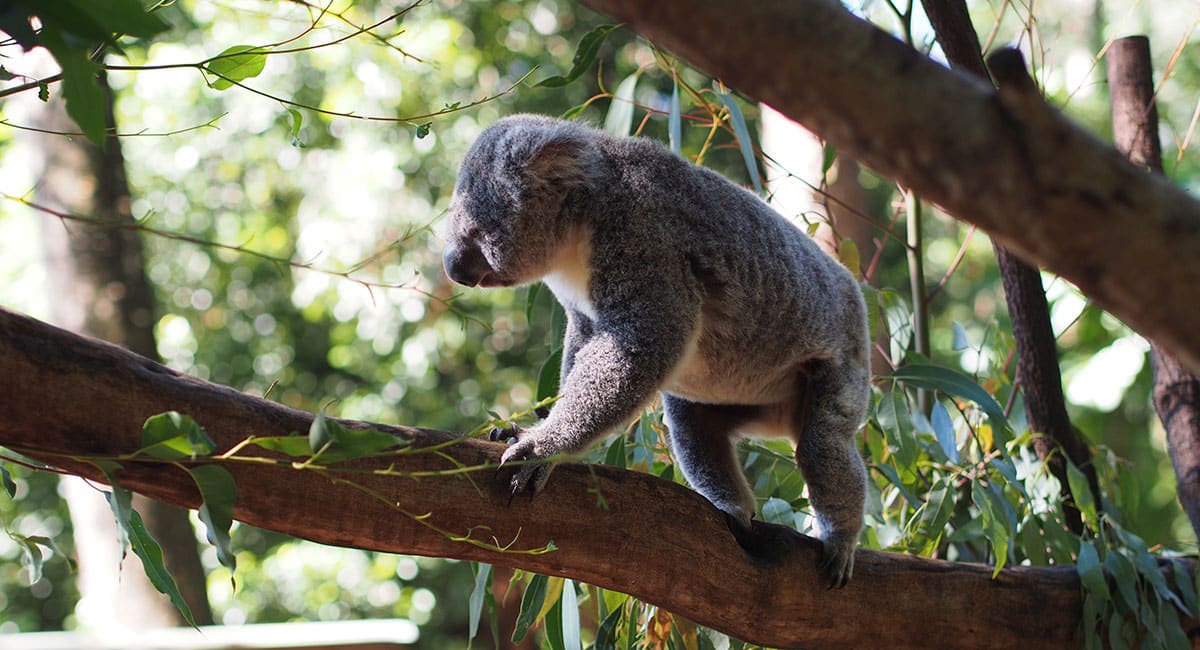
(131, 533)
(994, 524)
(778, 511)
(218, 492)
(332, 442)
(744, 141)
(675, 121)
(548, 376)
(100, 19)
(295, 446)
(943, 428)
(86, 102)
(150, 553)
(31, 556)
(1187, 589)
(849, 257)
(320, 433)
(483, 574)
(297, 122)
(10, 486)
(952, 382)
(585, 54)
(120, 501)
(172, 435)
(936, 512)
(531, 605)
(570, 617)
(1124, 575)
(1081, 492)
(606, 634)
(960, 338)
(423, 130)
(235, 64)
(5, 75)
(828, 157)
(1091, 575)
(615, 455)
(619, 120)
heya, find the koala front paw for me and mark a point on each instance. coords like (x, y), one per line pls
(837, 561)
(532, 474)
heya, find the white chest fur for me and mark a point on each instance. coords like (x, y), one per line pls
(570, 274)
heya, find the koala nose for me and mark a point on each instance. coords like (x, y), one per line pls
(465, 264)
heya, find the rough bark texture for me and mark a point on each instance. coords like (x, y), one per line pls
(1176, 389)
(1037, 355)
(97, 274)
(648, 537)
(1004, 160)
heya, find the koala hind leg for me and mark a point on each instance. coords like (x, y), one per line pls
(826, 420)
(702, 442)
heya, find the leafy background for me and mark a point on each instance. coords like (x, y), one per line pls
(327, 288)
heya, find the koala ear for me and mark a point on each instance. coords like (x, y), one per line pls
(564, 157)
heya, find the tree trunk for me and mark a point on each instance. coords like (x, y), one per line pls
(97, 275)
(614, 528)
(1037, 355)
(1176, 389)
(1004, 160)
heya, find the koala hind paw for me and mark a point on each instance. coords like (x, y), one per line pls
(837, 561)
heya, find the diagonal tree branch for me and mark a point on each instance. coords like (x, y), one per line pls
(1004, 160)
(70, 397)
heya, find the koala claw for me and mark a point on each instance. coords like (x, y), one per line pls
(509, 433)
(530, 476)
(837, 561)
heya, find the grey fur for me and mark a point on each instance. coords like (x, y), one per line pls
(674, 280)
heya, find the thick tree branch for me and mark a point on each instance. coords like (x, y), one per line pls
(1004, 160)
(632, 532)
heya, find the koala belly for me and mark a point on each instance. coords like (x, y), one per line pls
(702, 377)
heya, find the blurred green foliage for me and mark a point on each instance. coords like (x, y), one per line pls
(326, 292)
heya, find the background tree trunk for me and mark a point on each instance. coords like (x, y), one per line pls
(1037, 355)
(1176, 389)
(98, 282)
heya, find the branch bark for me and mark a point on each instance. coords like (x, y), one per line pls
(1176, 390)
(621, 530)
(1004, 160)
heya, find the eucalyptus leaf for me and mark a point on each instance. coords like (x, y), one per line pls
(675, 121)
(236, 64)
(531, 604)
(951, 382)
(218, 492)
(10, 486)
(585, 55)
(150, 553)
(86, 102)
(483, 574)
(745, 144)
(619, 120)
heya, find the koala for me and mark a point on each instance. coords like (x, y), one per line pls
(675, 281)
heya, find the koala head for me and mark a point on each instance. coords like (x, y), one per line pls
(507, 216)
